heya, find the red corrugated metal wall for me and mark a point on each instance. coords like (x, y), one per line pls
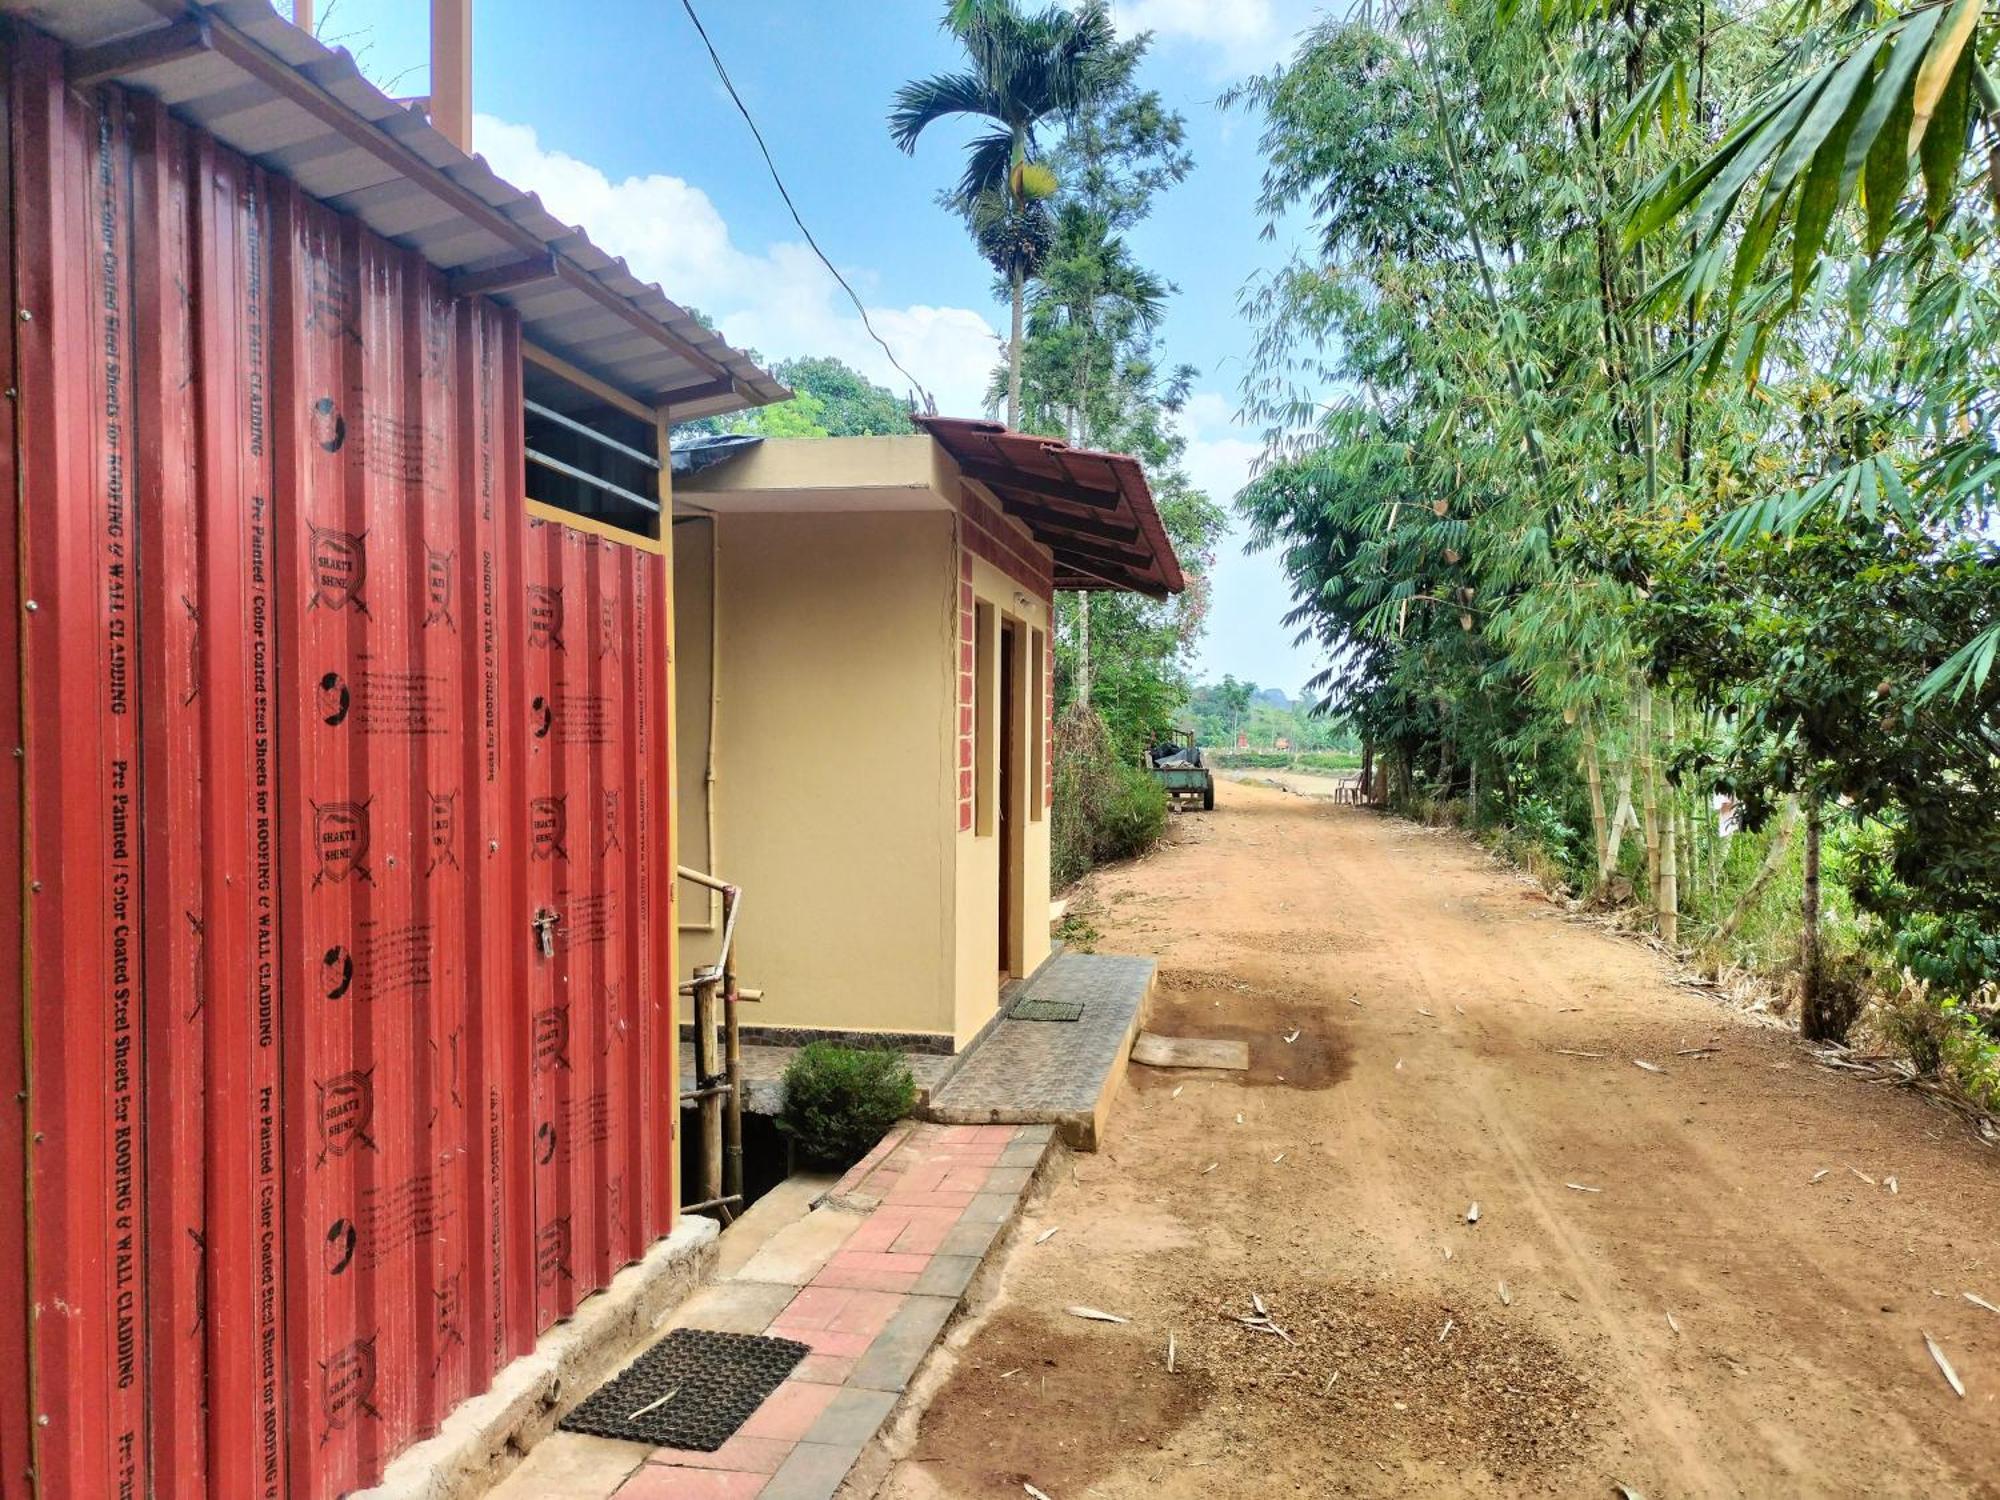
(314, 722)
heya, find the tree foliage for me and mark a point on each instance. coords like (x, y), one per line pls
(830, 399)
(1025, 73)
(1630, 426)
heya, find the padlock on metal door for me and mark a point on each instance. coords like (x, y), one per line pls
(544, 922)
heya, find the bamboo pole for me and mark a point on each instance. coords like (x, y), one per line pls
(1622, 818)
(732, 1102)
(707, 1073)
(1649, 795)
(1593, 773)
(1668, 906)
(1774, 858)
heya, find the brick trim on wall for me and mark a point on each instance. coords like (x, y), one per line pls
(987, 534)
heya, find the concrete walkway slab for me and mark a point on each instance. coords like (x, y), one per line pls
(1061, 1073)
(799, 1252)
(787, 1203)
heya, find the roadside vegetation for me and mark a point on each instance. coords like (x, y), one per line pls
(1631, 440)
(1315, 762)
(830, 399)
(1222, 712)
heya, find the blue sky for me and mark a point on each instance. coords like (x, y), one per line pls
(610, 111)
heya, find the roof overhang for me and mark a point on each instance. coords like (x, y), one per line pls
(800, 475)
(1093, 510)
(241, 72)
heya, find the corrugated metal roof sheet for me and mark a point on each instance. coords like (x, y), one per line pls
(257, 83)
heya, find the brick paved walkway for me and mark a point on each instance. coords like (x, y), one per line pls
(868, 1279)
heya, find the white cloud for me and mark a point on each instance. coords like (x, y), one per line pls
(782, 302)
(1220, 453)
(1248, 591)
(1234, 35)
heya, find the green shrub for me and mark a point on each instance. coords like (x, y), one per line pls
(1953, 953)
(1328, 760)
(1946, 1038)
(1134, 815)
(1103, 809)
(839, 1101)
(1544, 825)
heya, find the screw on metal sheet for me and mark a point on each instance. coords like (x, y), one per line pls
(31, 606)
(12, 393)
(392, 861)
(28, 317)
(493, 846)
(34, 885)
(42, 1420)
(38, 1137)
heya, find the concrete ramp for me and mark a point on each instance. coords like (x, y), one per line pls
(1063, 1074)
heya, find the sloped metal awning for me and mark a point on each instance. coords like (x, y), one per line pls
(1094, 511)
(247, 76)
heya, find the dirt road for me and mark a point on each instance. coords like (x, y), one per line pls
(1692, 1282)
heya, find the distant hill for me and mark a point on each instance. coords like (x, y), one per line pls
(1273, 696)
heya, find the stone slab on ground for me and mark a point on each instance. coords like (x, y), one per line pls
(1157, 1051)
(1066, 1075)
(787, 1203)
(799, 1252)
(733, 1306)
(575, 1467)
(870, 1278)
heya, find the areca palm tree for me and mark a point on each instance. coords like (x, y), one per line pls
(1022, 71)
(1103, 304)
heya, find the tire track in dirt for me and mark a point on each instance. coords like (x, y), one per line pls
(1636, 1388)
(1798, 1370)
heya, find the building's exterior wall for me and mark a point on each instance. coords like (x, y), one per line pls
(1000, 565)
(834, 762)
(695, 541)
(905, 472)
(319, 1141)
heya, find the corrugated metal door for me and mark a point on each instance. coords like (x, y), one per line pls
(599, 988)
(314, 1138)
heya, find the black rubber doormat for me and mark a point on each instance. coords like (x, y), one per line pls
(1046, 1010)
(691, 1390)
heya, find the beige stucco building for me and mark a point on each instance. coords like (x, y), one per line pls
(863, 687)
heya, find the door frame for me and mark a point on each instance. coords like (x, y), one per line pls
(1011, 793)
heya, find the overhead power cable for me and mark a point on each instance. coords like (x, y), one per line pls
(743, 109)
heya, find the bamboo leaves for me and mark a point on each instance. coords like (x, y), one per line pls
(1870, 488)
(1797, 571)
(1845, 131)
(1966, 670)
